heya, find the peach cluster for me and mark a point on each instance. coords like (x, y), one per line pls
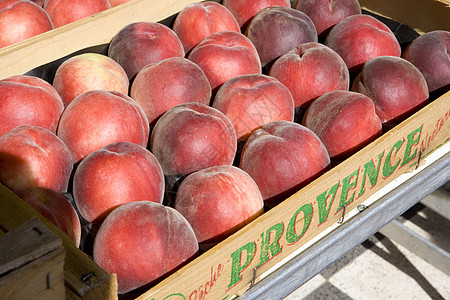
(177, 137)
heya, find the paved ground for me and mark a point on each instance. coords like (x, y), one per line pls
(381, 268)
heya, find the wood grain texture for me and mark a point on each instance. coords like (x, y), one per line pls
(421, 15)
(31, 263)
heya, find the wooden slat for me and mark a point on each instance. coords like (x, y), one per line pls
(31, 263)
(422, 15)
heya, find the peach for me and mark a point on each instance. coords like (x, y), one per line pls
(63, 12)
(217, 201)
(32, 156)
(251, 101)
(54, 207)
(172, 81)
(224, 55)
(198, 20)
(193, 136)
(395, 85)
(28, 100)
(358, 38)
(327, 13)
(86, 72)
(245, 10)
(20, 20)
(143, 252)
(98, 118)
(276, 30)
(141, 43)
(282, 157)
(309, 71)
(430, 54)
(113, 175)
(345, 122)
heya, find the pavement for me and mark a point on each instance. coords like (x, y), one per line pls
(383, 268)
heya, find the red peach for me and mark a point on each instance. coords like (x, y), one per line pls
(139, 44)
(282, 157)
(193, 136)
(20, 20)
(245, 10)
(172, 81)
(327, 13)
(224, 55)
(344, 121)
(198, 20)
(98, 118)
(32, 156)
(430, 54)
(63, 12)
(218, 201)
(113, 175)
(395, 85)
(143, 241)
(86, 72)
(276, 30)
(28, 100)
(54, 207)
(251, 101)
(358, 38)
(309, 71)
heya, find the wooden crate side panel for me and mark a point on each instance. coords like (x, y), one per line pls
(15, 211)
(31, 263)
(423, 16)
(229, 268)
(94, 30)
(42, 278)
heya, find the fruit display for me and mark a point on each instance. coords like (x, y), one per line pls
(179, 135)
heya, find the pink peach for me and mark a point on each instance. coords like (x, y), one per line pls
(32, 156)
(98, 118)
(118, 173)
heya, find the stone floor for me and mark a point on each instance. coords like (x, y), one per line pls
(381, 268)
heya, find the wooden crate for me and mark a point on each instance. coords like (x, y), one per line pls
(31, 263)
(234, 265)
(83, 278)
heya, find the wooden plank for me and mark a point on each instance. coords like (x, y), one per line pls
(25, 243)
(31, 263)
(100, 285)
(228, 268)
(95, 30)
(421, 15)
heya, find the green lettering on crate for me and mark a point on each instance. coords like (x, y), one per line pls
(175, 294)
(347, 185)
(388, 169)
(291, 234)
(236, 262)
(274, 248)
(322, 202)
(411, 140)
(371, 172)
